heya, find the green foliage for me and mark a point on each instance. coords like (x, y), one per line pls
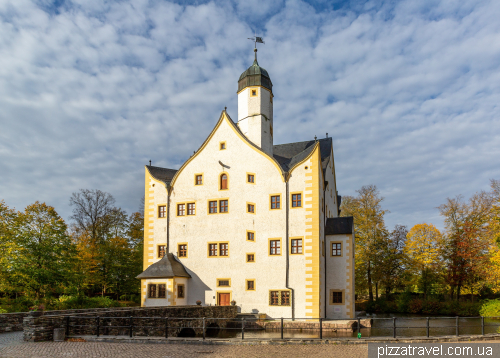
(24, 303)
(490, 308)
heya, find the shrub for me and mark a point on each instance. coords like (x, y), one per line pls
(2, 310)
(431, 307)
(415, 306)
(490, 308)
(403, 301)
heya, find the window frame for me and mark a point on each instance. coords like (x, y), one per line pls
(158, 251)
(330, 297)
(331, 249)
(301, 245)
(301, 200)
(246, 257)
(218, 243)
(256, 89)
(279, 298)
(196, 179)
(246, 284)
(271, 196)
(187, 208)
(250, 232)
(179, 250)
(219, 202)
(164, 290)
(248, 204)
(158, 211)
(177, 209)
(226, 249)
(222, 145)
(269, 247)
(150, 285)
(181, 285)
(223, 279)
(216, 206)
(249, 182)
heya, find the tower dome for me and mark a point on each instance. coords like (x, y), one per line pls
(255, 76)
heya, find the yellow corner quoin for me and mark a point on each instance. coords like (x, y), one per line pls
(225, 117)
(312, 238)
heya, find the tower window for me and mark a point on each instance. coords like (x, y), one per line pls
(161, 251)
(274, 247)
(253, 92)
(251, 178)
(250, 257)
(250, 285)
(251, 208)
(198, 180)
(183, 251)
(223, 206)
(222, 145)
(296, 200)
(162, 211)
(275, 201)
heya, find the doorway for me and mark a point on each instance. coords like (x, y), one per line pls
(224, 299)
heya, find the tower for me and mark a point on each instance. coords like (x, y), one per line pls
(255, 106)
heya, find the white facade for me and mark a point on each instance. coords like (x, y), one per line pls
(244, 149)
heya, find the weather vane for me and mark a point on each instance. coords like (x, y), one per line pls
(256, 40)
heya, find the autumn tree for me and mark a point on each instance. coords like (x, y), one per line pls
(393, 265)
(422, 250)
(370, 232)
(7, 247)
(43, 257)
(468, 241)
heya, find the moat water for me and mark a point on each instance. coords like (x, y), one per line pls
(382, 326)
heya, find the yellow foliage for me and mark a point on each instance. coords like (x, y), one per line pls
(422, 245)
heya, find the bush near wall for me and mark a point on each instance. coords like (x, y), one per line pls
(431, 306)
(23, 304)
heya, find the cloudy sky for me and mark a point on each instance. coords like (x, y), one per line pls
(91, 90)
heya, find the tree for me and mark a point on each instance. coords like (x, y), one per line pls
(394, 266)
(422, 249)
(44, 254)
(370, 232)
(468, 241)
(7, 247)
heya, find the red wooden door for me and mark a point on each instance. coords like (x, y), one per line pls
(224, 299)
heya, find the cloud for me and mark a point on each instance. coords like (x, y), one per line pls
(91, 90)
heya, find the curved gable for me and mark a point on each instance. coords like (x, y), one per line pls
(225, 117)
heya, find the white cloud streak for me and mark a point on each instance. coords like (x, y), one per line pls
(408, 91)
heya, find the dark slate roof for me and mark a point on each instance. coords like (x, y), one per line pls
(255, 76)
(167, 267)
(162, 174)
(339, 226)
(287, 155)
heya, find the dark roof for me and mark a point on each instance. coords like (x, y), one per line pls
(162, 174)
(287, 155)
(339, 226)
(255, 76)
(167, 267)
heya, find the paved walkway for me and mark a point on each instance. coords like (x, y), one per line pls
(12, 346)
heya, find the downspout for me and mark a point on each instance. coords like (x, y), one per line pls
(168, 219)
(287, 201)
(324, 243)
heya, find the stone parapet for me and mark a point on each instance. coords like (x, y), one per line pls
(11, 322)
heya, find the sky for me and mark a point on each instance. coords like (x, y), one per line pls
(409, 90)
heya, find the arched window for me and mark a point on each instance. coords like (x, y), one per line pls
(223, 181)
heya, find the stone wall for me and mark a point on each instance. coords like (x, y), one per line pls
(10, 322)
(146, 321)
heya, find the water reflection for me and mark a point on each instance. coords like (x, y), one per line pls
(382, 326)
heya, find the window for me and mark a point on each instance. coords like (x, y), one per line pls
(250, 285)
(251, 208)
(275, 201)
(222, 145)
(198, 179)
(296, 246)
(223, 182)
(253, 93)
(251, 178)
(279, 298)
(223, 282)
(183, 250)
(162, 211)
(152, 291)
(218, 249)
(212, 207)
(336, 297)
(223, 249)
(274, 247)
(191, 208)
(162, 292)
(161, 251)
(336, 249)
(223, 206)
(181, 209)
(250, 236)
(250, 257)
(296, 200)
(180, 291)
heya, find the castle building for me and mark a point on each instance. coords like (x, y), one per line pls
(244, 221)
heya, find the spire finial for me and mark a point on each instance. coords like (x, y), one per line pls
(150, 162)
(256, 39)
(315, 138)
